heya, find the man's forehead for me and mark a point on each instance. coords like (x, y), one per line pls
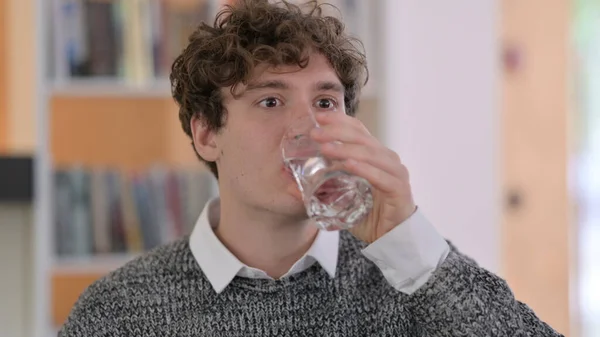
(316, 62)
(290, 76)
(317, 74)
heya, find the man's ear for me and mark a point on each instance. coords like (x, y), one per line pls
(205, 140)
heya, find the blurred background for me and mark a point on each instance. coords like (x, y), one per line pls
(494, 106)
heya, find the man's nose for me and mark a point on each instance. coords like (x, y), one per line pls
(303, 110)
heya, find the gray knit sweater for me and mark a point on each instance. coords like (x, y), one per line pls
(164, 293)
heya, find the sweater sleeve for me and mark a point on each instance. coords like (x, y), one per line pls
(463, 299)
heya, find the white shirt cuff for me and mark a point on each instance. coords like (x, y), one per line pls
(408, 254)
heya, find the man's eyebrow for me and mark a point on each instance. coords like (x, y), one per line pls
(277, 84)
(274, 84)
(329, 86)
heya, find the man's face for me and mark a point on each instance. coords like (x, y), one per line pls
(251, 169)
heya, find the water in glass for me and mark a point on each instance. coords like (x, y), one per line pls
(332, 197)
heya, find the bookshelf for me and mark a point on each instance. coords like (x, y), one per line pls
(107, 126)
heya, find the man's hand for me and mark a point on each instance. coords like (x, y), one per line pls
(364, 156)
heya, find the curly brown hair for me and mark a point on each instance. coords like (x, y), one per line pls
(254, 32)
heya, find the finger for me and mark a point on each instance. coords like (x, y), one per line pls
(378, 157)
(380, 179)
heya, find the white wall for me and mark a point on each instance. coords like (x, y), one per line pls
(15, 259)
(440, 113)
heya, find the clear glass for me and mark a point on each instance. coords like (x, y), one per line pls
(334, 198)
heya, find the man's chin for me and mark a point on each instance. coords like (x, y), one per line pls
(296, 205)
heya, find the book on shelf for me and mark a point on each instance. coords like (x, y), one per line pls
(103, 211)
(136, 41)
(132, 41)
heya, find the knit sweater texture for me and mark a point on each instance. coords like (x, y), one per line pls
(164, 293)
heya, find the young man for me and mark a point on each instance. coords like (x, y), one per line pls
(255, 265)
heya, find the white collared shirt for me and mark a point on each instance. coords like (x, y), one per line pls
(407, 255)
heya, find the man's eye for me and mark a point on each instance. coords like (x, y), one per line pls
(325, 103)
(270, 102)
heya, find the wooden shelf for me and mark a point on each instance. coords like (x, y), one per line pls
(130, 133)
(3, 77)
(66, 289)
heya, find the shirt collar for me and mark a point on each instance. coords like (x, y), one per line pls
(220, 265)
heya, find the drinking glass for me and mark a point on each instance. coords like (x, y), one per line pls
(334, 198)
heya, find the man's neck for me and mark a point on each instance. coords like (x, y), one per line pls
(262, 241)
